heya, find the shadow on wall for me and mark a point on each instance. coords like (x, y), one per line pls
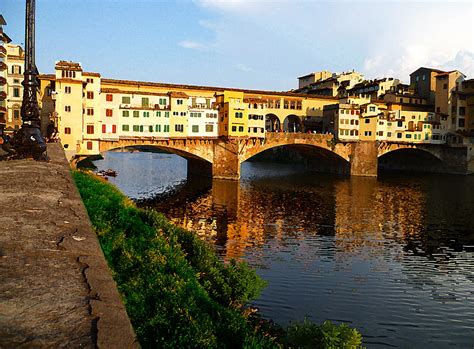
(314, 159)
(410, 160)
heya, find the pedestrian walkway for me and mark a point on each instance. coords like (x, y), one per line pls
(55, 287)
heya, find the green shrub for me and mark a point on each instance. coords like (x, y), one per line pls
(232, 284)
(176, 292)
(328, 336)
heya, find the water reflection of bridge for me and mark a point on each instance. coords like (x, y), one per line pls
(362, 214)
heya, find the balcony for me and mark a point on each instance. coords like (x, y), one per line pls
(3, 95)
(3, 81)
(3, 66)
(200, 106)
(161, 107)
(3, 50)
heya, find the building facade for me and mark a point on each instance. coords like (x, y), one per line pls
(87, 108)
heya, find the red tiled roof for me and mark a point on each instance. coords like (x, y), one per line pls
(212, 88)
(178, 94)
(127, 92)
(68, 65)
(91, 74)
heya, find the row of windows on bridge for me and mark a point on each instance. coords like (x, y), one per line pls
(90, 129)
(145, 101)
(166, 128)
(240, 115)
(399, 135)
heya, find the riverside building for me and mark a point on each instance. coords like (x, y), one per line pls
(12, 63)
(87, 108)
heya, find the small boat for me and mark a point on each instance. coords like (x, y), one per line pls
(107, 173)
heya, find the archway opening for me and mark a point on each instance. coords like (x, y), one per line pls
(145, 171)
(292, 123)
(409, 160)
(272, 123)
(294, 158)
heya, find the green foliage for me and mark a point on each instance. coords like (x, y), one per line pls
(176, 291)
(233, 284)
(328, 335)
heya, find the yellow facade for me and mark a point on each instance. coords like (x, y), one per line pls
(179, 115)
(368, 128)
(233, 116)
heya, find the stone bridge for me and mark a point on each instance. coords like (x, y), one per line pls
(221, 157)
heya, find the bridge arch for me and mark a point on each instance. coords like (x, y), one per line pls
(272, 123)
(150, 148)
(320, 142)
(315, 158)
(198, 153)
(387, 149)
(186, 148)
(292, 123)
(412, 158)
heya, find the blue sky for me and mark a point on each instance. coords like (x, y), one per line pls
(250, 44)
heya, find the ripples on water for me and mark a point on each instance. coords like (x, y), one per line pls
(391, 256)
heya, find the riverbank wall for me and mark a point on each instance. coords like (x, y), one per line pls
(56, 289)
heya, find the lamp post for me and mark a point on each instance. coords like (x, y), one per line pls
(28, 141)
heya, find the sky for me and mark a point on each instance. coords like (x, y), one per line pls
(255, 44)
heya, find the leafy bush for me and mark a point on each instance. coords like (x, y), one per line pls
(177, 293)
(328, 335)
(232, 284)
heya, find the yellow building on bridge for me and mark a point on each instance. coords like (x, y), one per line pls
(87, 108)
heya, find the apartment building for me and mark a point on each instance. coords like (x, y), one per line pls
(423, 83)
(233, 117)
(372, 88)
(311, 78)
(331, 86)
(15, 62)
(257, 110)
(355, 120)
(445, 105)
(12, 63)
(203, 119)
(463, 102)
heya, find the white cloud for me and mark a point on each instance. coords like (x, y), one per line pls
(242, 67)
(438, 36)
(283, 39)
(193, 45)
(463, 61)
(229, 5)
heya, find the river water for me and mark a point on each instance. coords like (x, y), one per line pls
(391, 256)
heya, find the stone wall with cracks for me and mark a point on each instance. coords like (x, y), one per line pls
(56, 288)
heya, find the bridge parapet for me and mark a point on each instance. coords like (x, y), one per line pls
(315, 137)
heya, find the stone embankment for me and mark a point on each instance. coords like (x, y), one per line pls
(56, 289)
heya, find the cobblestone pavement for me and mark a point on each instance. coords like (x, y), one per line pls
(55, 287)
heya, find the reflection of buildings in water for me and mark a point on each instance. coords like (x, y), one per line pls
(270, 212)
(368, 211)
(243, 223)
